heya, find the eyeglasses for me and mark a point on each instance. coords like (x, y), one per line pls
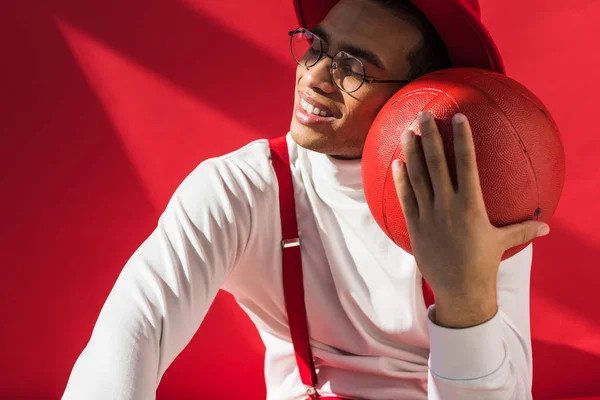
(347, 71)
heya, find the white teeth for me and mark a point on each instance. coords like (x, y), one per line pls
(310, 109)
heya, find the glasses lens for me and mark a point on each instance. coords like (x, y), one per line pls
(348, 72)
(306, 48)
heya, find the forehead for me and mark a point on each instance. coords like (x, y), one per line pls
(367, 25)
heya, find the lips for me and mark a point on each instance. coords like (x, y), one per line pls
(311, 106)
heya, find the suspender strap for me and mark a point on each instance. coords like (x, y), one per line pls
(293, 284)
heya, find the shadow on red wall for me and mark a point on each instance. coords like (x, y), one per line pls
(564, 314)
(76, 206)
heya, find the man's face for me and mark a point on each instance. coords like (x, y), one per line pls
(369, 27)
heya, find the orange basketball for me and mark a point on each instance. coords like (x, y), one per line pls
(520, 156)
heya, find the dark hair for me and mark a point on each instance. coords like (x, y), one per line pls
(431, 54)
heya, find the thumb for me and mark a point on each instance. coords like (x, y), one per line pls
(524, 232)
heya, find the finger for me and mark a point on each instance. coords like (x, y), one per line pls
(521, 233)
(467, 176)
(405, 192)
(435, 158)
(417, 170)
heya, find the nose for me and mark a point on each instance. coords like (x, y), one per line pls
(319, 77)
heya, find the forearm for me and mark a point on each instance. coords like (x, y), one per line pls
(121, 359)
(162, 293)
(149, 316)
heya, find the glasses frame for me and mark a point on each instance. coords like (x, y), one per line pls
(333, 66)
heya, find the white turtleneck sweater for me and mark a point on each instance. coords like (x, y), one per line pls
(370, 331)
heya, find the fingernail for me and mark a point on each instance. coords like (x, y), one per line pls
(396, 166)
(424, 116)
(407, 136)
(459, 119)
(543, 230)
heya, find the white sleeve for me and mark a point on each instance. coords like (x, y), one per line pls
(166, 287)
(493, 360)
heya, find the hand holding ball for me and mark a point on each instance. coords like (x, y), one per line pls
(520, 157)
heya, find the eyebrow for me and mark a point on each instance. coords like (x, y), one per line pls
(356, 51)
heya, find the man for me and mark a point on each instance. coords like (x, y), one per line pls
(371, 335)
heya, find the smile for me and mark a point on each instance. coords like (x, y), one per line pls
(310, 109)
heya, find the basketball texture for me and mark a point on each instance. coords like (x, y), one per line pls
(520, 156)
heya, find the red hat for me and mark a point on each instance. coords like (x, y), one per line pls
(458, 22)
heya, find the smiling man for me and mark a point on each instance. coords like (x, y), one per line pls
(345, 315)
(384, 38)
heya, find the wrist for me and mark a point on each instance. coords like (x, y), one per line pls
(464, 310)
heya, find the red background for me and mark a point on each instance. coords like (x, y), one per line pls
(106, 106)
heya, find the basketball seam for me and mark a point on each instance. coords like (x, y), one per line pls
(524, 151)
(386, 180)
(516, 135)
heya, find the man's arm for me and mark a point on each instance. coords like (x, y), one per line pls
(480, 345)
(491, 360)
(165, 289)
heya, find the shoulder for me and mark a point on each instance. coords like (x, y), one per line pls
(237, 171)
(237, 183)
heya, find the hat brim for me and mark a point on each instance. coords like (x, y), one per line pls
(469, 43)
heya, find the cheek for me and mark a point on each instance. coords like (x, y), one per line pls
(298, 78)
(364, 109)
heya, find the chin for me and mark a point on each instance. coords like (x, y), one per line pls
(312, 139)
(321, 143)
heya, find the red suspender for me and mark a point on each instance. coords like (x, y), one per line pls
(293, 284)
(427, 293)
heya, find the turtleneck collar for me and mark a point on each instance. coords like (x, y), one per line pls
(337, 182)
(341, 174)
